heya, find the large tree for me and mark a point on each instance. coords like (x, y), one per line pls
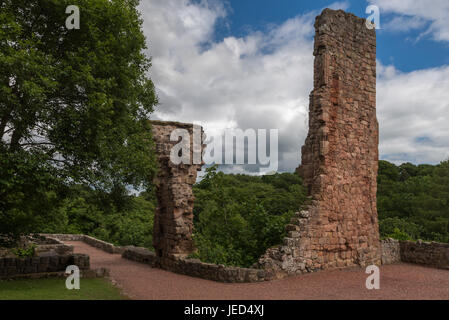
(74, 104)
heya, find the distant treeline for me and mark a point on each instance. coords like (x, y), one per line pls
(413, 201)
(237, 217)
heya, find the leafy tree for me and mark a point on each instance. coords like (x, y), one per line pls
(396, 227)
(237, 217)
(387, 172)
(74, 104)
(91, 212)
(413, 201)
(407, 170)
(27, 185)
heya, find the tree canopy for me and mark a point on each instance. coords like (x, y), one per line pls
(238, 217)
(413, 201)
(74, 104)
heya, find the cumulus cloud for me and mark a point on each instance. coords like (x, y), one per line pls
(404, 23)
(259, 81)
(343, 5)
(431, 14)
(413, 113)
(263, 81)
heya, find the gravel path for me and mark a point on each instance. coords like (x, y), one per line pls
(401, 281)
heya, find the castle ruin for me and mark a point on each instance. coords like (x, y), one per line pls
(340, 156)
(173, 219)
(339, 228)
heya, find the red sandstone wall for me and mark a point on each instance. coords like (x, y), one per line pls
(340, 155)
(173, 220)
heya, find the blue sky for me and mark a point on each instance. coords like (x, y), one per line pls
(402, 49)
(249, 64)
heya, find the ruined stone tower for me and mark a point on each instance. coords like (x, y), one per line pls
(173, 219)
(340, 156)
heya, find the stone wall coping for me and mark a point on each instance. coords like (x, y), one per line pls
(419, 242)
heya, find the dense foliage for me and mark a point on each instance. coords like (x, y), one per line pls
(74, 137)
(237, 217)
(413, 201)
(74, 105)
(115, 217)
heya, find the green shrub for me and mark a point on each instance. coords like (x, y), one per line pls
(238, 217)
(24, 252)
(414, 200)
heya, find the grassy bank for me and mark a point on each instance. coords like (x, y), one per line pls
(55, 289)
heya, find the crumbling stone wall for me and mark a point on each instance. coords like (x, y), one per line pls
(173, 220)
(340, 155)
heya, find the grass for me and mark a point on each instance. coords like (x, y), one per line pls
(55, 289)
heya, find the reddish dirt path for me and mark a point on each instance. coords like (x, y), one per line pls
(401, 281)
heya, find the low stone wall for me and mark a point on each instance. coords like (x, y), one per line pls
(391, 251)
(50, 262)
(54, 245)
(62, 249)
(142, 255)
(431, 254)
(100, 244)
(64, 237)
(196, 268)
(86, 274)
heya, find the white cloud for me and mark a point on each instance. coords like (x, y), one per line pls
(259, 81)
(343, 5)
(417, 14)
(413, 112)
(263, 80)
(404, 23)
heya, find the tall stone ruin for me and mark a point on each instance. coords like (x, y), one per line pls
(339, 228)
(173, 219)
